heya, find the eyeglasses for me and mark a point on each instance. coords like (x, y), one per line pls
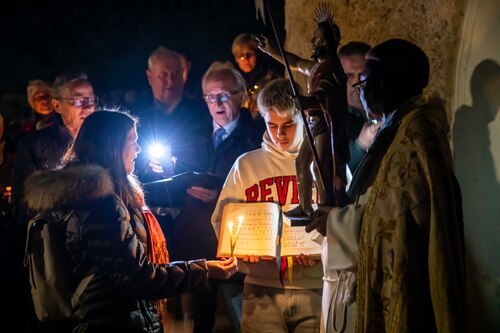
(360, 85)
(246, 55)
(223, 97)
(41, 97)
(79, 102)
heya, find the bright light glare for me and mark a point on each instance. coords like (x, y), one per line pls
(157, 150)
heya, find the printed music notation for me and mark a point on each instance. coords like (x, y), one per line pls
(258, 233)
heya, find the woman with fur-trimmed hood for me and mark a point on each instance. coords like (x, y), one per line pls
(111, 230)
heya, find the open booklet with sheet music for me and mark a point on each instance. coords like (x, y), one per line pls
(264, 231)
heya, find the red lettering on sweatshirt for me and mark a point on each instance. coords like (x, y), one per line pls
(252, 193)
(282, 188)
(295, 192)
(265, 191)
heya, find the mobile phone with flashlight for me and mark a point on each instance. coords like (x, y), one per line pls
(161, 160)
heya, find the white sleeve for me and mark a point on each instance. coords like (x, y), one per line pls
(343, 229)
(231, 192)
(342, 234)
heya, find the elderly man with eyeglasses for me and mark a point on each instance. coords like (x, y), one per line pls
(233, 131)
(230, 133)
(73, 99)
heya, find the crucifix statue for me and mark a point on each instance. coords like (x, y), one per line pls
(326, 108)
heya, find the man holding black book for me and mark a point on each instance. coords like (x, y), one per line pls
(232, 133)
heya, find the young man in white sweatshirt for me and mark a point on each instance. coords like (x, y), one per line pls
(268, 174)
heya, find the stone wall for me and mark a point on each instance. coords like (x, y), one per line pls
(434, 25)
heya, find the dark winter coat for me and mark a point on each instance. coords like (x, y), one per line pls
(102, 232)
(39, 150)
(196, 214)
(246, 136)
(182, 131)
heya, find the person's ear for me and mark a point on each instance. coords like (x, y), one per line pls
(149, 75)
(56, 105)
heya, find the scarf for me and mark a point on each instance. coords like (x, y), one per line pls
(157, 244)
(158, 254)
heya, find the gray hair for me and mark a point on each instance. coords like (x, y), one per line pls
(163, 53)
(36, 86)
(66, 79)
(243, 39)
(276, 96)
(219, 70)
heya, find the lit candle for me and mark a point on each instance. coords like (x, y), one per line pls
(233, 235)
(231, 240)
(240, 221)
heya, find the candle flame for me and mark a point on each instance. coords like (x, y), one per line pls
(240, 221)
(233, 236)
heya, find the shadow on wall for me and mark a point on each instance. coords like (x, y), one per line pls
(475, 169)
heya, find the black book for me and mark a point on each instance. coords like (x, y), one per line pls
(171, 192)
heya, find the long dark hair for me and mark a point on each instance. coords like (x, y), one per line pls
(101, 140)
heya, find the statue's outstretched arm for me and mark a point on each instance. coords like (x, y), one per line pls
(296, 63)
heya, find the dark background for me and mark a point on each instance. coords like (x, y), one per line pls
(111, 40)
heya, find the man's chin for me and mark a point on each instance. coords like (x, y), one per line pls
(354, 101)
(222, 120)
(247, 69)
(44, 112)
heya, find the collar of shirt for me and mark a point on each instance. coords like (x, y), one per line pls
(229, 128)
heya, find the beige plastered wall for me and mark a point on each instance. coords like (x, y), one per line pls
(434, 25)
(456, 35)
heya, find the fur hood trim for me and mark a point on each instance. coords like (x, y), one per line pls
(47, 190)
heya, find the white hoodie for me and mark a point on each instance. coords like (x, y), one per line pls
(267, 174)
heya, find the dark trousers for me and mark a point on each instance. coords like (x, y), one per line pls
(198, 306)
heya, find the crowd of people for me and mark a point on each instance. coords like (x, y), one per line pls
(396, 233)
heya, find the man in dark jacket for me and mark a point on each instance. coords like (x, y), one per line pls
(170, 129)
(173, 120)
(360, 130)
(232, 133)
(73, 99)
